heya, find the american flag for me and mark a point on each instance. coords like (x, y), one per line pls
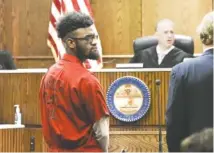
(58, 9)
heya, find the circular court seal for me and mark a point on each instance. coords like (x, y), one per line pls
(128, 99)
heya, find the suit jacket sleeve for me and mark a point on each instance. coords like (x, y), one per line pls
(175, 113)
(187, 56)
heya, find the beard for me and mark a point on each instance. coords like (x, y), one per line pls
(93, 55)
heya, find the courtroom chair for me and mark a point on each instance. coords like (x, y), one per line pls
(183, 42)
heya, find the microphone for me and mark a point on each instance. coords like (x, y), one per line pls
(32, 144)
(158, 82)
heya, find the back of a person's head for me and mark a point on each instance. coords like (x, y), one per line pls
(71, 22)
(205, 29)
(6, 61)
(199, 142)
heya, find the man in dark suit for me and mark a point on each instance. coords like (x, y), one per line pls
(164, 55)
(190, 101)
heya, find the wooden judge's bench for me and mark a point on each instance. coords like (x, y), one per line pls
(22, 87)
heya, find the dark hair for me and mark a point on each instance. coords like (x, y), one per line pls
(6, 61)
(71, 22)
(199, 142)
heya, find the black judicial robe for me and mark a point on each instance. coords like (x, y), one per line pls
(149, 58)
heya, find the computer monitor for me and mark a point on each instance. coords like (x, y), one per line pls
(6, 61)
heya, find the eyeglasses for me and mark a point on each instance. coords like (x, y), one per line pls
(88, 38)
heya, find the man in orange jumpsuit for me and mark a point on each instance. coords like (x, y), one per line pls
(74, 114)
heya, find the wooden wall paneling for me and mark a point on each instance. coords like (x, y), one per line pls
(33, 24)
(11, 28)
(25, 27)
(38, 18)
(23, 89)
(47, 61)
(118, 24)
(11, 94)
(186, 15)
(2, 23)
(16, 29)
(31, 107)
(24, 24)
(136, 141)
(34, 63)
(18, 140)
(151, 118)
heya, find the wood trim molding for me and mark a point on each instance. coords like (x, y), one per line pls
(51, 57)
(32, 57)
(136, 132)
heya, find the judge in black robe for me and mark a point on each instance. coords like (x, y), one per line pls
(149, 58)
(170, 54)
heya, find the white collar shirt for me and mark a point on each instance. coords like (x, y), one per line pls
(161, 54)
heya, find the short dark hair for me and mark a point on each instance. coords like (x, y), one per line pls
(72, 21)
(199, 142)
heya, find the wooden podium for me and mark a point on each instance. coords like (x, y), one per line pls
(22, 87)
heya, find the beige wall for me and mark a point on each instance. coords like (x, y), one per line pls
(24, 24)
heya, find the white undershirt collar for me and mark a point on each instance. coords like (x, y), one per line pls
(161, 54)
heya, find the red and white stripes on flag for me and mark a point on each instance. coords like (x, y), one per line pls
(58, 9)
